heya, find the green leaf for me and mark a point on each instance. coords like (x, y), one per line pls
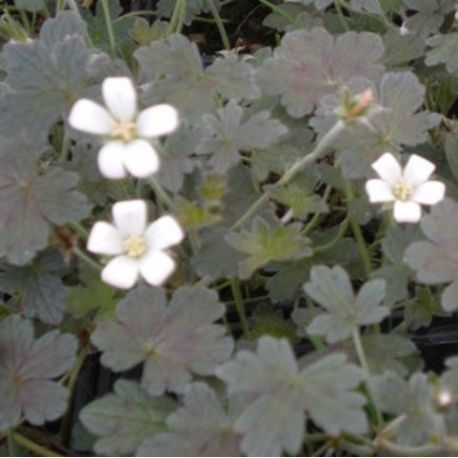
(45, 76)
(332, 289)
(124, 419)
(436, 260)
(151, 332)
(413, 402)
(39, 285)
(311, 64)
(451, 152)
(27, 367)
(398, 122)
(93, 296)
(180, 78)
(193, 7)
(265, 243)
(31, 203)
(202, 427)
(280, 395)
(216, 258)
(227, 134)
(444, 51)
(32, 6)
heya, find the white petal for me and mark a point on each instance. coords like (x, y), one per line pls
(429, 193)
(129, 217)
(163, 233)
(120, 97)
(111, 160)
(388, 168)
(157, 120)
(89, 116)
(407, 212)
(141, 159)
(379, 191)
(417, 170)
(156, 267)
(104, 239)
(121, 272)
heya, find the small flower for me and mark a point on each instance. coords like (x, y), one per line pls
(126, 131)
(403, 30)
(138, 249)
(407, 188)
(444, 398)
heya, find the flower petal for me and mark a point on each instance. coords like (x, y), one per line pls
(141, 159)
(407, 212)
(121, 272)
(379, 191)
(120, 97)
(429, 193)
(156, 267)
(164, 233)
(157, 120)
(129, 217)
(417, 170)
(90, 117)
(104, 239)
(111, 160)
(388, 168)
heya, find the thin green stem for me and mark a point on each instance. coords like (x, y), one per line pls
(11, 444)
(109, 25)
(360, 353)
(65, 148)
(278, 10)
(289, 174)
(240, 306)
(85, 258)
(81, 231)
(160, 192)
(178, 17)
(36, 449)
(317, 216)
(341, 16)
(219, 24)
(330, 245)
(363, 251)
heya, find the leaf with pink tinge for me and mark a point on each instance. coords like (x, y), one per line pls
(281, 395)
(311, 64)
(171, 340)
(26, 369)
(436, 260)
(202, 427)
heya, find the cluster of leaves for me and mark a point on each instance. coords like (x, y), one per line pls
(287, 327)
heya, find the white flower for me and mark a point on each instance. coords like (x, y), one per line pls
(138, 249)
(127, 148)
(407, 188)
(403, 30)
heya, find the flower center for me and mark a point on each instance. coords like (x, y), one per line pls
(135, 246)
(402, 191)
(125, 131)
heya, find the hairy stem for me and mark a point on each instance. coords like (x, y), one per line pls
(219, 24)
(240, 306)
(109, 25)
(85, 258)
(363, 251)
(36, 449)
(297, 167)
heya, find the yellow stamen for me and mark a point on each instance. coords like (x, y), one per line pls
(402, 191)
(135, 246)
(125, 131)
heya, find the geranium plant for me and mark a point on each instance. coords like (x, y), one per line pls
(228, 228)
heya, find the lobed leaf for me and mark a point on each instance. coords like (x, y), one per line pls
(27, 367)
(311, 64)
(172, 341)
